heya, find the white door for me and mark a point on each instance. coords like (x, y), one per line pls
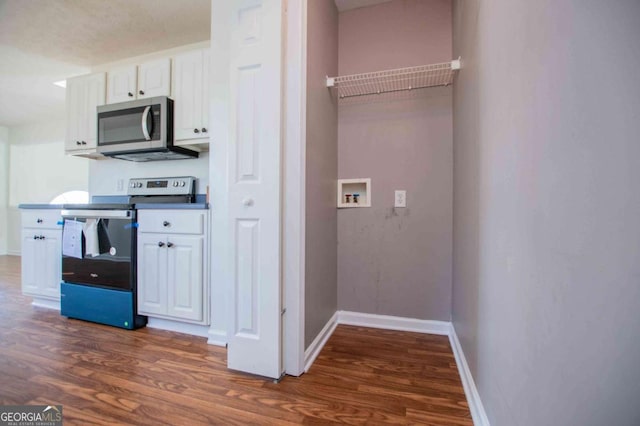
(95, 96)
(30, 261)
(184, 271)
(51, 266)
(188, 93)
(152, 274)
(154, 78)
(246, 44)
(121, 84)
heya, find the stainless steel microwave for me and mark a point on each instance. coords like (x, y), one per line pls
(139, 130)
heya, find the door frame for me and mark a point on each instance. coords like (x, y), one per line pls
(294, 184)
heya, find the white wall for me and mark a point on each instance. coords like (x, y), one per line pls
(39, 170)
(104, 174)
(4, 187)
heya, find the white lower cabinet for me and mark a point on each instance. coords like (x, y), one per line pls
(41, 254)
(172, 267)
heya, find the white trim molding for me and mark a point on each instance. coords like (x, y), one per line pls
(318, 343)
(46, 303)
(217, 337)
(471, 392)
(293, 187)
(387, 322)
(178, 327)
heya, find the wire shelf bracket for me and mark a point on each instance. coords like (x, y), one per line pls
(395, 80)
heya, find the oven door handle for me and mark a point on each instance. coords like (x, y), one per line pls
(96, 214)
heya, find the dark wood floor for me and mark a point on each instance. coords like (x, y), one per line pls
(106, 376)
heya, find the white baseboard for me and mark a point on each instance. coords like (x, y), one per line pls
(179, 327)
(387, 322)
(473, 397)
(14, 252)
(46, 303)
(217, 337)
(312, 352)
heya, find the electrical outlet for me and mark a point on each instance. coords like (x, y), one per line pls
(401, 198)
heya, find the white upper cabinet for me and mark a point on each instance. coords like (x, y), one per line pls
(122, 84)
(146, 80)
(84, 94)
(191, 95)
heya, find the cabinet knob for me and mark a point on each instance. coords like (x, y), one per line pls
(130, 94)
(83, 143)
(39, 220)
(204, 130)
(77, 142)
(165, 224)
(35, 237)
(248, 202)
(141, 92)
(160, 244)
(169, 244)
(42, 237)
(196, 131)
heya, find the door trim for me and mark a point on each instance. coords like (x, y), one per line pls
(293, 217)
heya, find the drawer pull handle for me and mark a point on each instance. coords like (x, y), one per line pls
(169, 244)
(248, 202)
(160, 244)
(165, 224)
(39, 220)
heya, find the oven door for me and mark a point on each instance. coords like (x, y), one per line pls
(99, 248)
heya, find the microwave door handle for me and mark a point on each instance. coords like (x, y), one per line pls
(145, 116)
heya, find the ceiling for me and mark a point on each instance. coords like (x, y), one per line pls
(44, 41)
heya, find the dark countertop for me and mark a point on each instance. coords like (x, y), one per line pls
(173, 206)
(41, 206)
(139, 206)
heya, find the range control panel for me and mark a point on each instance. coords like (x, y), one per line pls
(180, 185)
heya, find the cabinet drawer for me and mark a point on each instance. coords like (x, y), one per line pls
(43, 219)
(172, 221)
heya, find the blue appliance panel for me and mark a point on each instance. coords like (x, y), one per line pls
(104, 306)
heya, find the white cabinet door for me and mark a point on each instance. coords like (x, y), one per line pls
(84, 94)
(121, 85)
(29, 259)
(50, 265)
(154, 78)
(185, 255)
(95, 96)
(152, 274)
(191, 93)
(75, 113)
(41, 262)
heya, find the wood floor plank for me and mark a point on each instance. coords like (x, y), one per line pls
(103, 375)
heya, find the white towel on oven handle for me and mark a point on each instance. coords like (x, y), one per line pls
(91, 242)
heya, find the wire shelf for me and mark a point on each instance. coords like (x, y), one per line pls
(395, 80)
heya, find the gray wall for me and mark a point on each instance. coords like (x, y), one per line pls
(546, 292)
(321, 168)
(397, 261)
(4, 187)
